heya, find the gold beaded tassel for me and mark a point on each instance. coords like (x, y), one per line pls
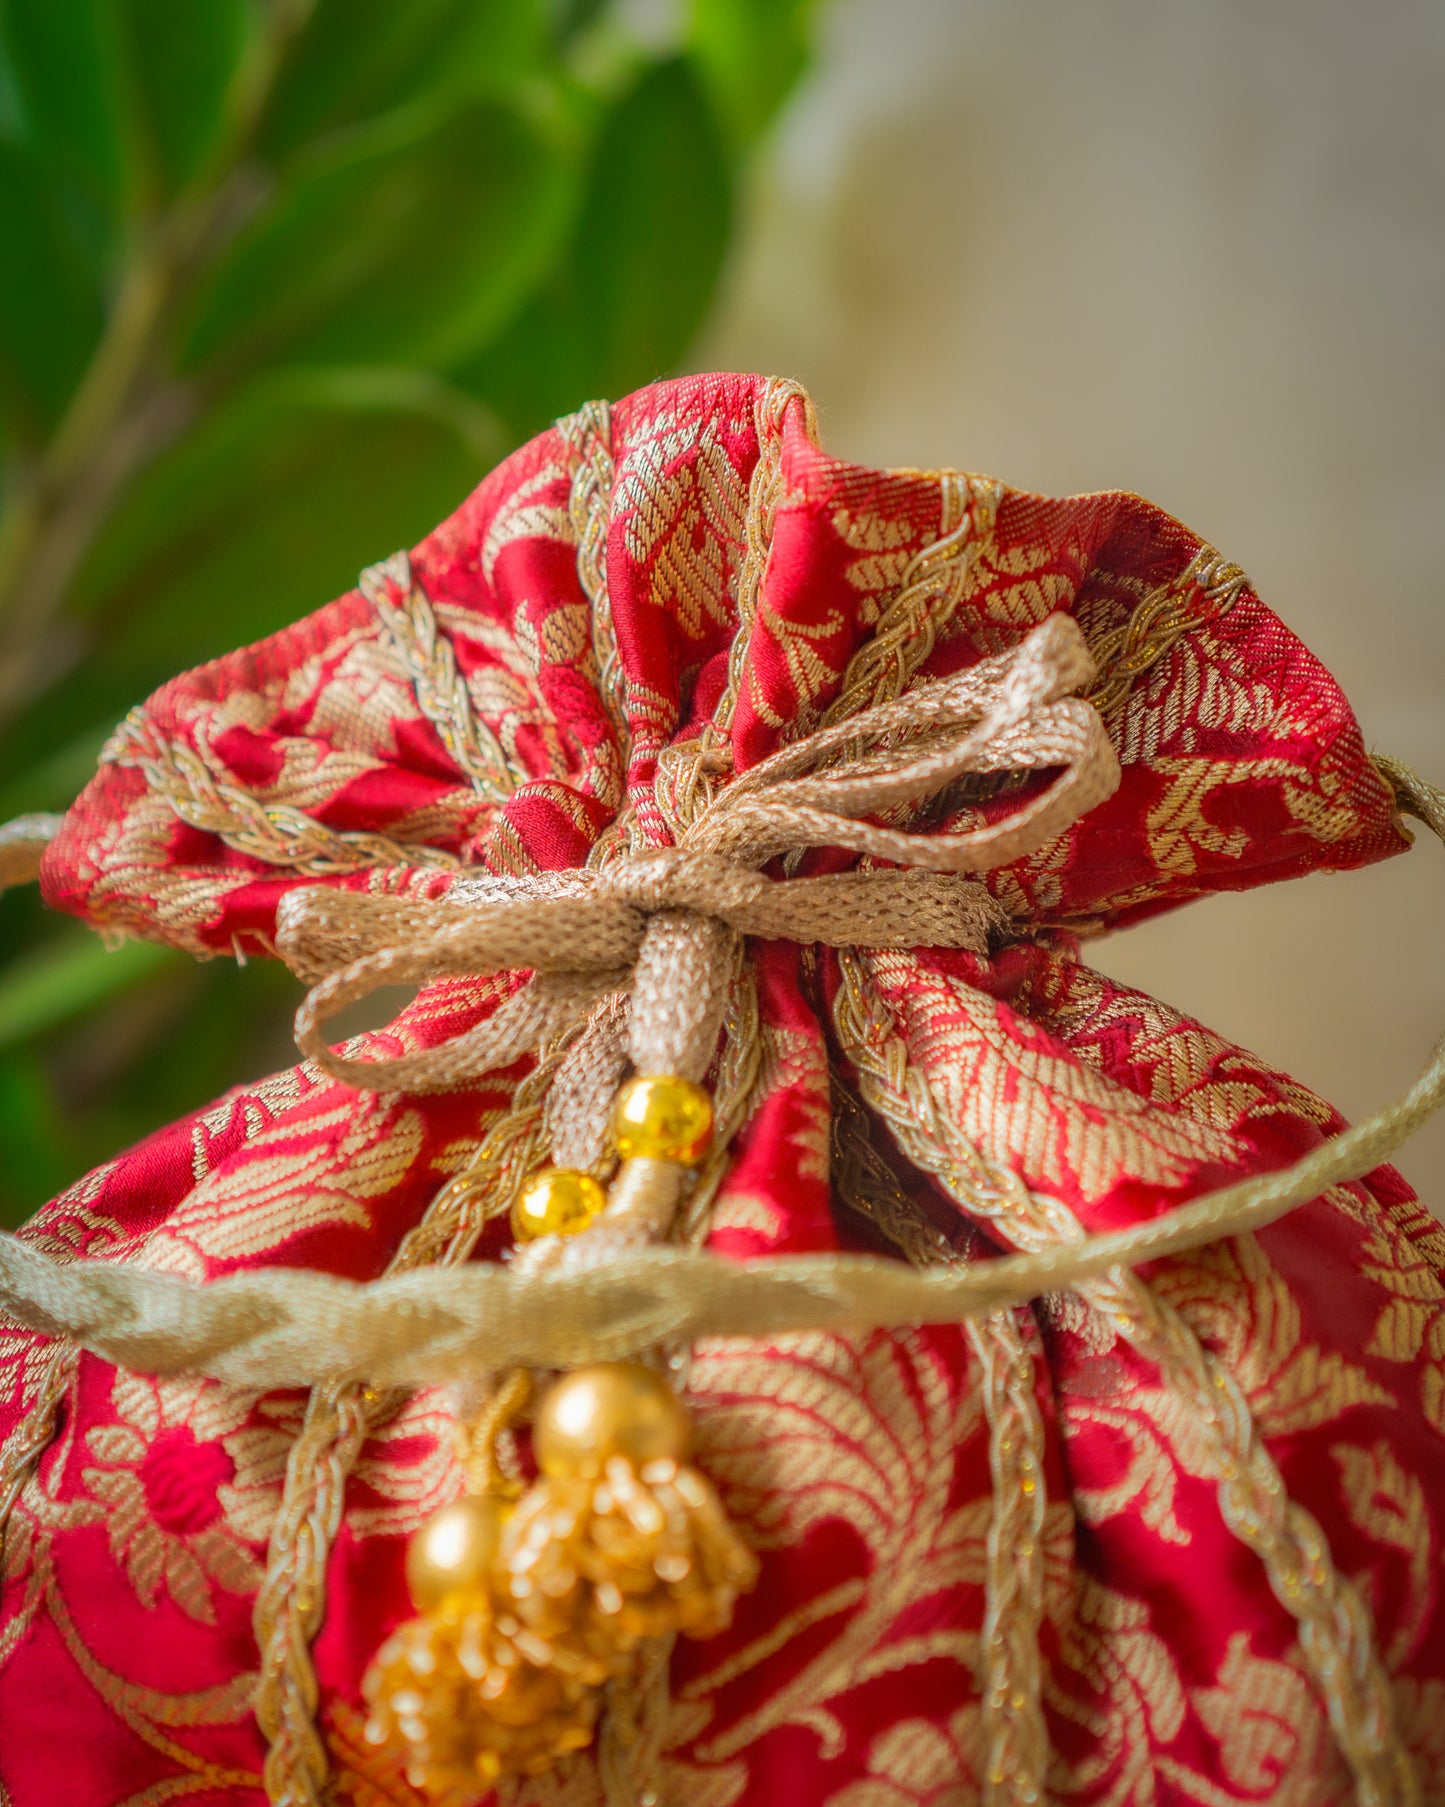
(525, 1614)
(621, 1539)
(450, 1690)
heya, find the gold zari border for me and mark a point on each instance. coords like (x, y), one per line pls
(1205, 589)
(277, 834)
(426, 653)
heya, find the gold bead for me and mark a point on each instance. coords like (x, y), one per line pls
(559, 1202)
(663, 1119)
(613, 1409)
(453, 1553)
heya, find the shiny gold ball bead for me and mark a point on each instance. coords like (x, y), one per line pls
(559, 1202)
(453, 1554)
(612, 1409)
(662, 1119)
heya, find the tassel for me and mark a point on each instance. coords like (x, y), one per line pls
(526, 1614)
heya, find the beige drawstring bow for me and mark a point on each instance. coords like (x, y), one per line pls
(583, 932)
(656, 930)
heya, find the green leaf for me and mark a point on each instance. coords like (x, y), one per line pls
(411, 242)
(358, 59)
(628, 299)
(50, 306)
(66, 66)
(184, 57)
(12, 108)
(651, 239)
(67, 975)
(750, 53)
(270, 510)
(37, 1161)
(571, 18)
(57, 777)
(49, 749)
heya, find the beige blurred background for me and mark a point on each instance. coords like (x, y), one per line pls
(1194, 248)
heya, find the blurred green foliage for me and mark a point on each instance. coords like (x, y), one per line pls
(285, 277)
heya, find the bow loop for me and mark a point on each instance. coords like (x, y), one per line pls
(655, 924)
(1012, 712)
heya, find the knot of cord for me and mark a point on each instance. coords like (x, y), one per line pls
(632, 927)
(632, 961)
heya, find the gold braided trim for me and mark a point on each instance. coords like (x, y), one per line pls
(441, 690)
(292, 1598)
(31, 1435)
(478, 1435)
(736, 1096)
(864, 1183)
(1016, 1739)
(932, 586)
(897, 1089)
(274, 833)
(1334, 1625)
(588, 435)
(1016, 1748)
(765, 491)
(686, 772)
(634, 1730)
(1414, 795)
(1336, 1636)
(1015, 1753)
(1207, 587)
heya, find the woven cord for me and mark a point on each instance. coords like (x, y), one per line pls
(22, 843)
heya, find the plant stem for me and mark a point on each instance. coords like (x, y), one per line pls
(127, 408)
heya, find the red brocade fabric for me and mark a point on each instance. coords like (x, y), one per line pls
(1233, 1535)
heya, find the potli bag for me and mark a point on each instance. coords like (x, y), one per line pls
(768, 1323)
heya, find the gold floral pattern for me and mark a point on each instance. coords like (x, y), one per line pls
(185, 1485)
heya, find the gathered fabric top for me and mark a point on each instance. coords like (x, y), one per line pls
(527, 690)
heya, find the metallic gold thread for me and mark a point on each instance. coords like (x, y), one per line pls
(410, 626)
